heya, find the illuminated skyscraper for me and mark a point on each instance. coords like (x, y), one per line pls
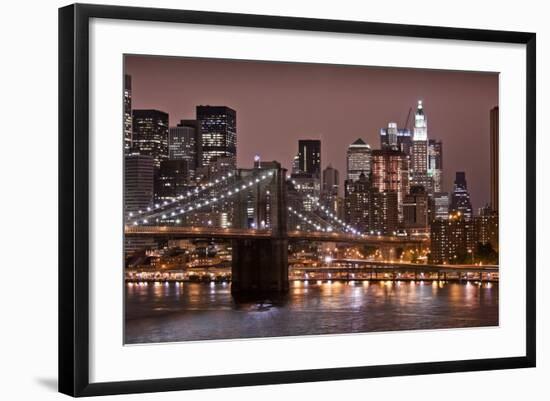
(150, 134)
(184, 143)
(460, 201)
(358, 160)
(330, 188)
(440, 206)
(390, 173)
(452, 240)
(127, 114)
(172, 179)
(218, 129)
(435, 164)
(486, 227)
(383, 212)
(419, 152)
(309, 157)
(396, 138)
(358, 204)
(494, 158)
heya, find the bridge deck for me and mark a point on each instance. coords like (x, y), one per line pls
(240, 233)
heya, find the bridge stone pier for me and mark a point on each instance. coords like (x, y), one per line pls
(260, 266)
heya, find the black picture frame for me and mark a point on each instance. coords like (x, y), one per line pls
(74, 200)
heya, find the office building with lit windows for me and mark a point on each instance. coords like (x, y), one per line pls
(435, 164)
(460, 200)
(138, 182)
(150, 134)
(184, 143)
(439, 209)
(330, 188)
(390, 174)
(384, 218)
(358, 204)
(358, 160)
(452, 240)
(127, 114)
(309, 157)
(494, 127)
(218, 130)
(396, 138)
(172, 180)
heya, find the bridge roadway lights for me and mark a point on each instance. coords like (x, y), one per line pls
(259, 268)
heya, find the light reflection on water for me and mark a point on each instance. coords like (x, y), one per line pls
(170, 312)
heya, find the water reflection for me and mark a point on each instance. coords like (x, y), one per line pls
(159, 312)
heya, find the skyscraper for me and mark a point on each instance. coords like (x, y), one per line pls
(460, 201)
(440, 206)
(390, 173)
(358, 158)
(309, 156)
(150, 134)
(358, 204)
(419, 151)
(138, 182)
(486, 227)
(218, 130)
(172, 179)
(331, 180)
(330, 189)
(383, 212)
(494, 157)
(415, 210)
(435, 164)
(127, 114)
(396, 138)
(452, 240)
(184, 143)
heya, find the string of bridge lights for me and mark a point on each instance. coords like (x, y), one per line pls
(189, 194)
(333, 216)
(200, 204)
(307, 220)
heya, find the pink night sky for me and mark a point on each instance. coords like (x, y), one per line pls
(279, 103)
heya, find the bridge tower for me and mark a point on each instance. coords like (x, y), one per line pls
(260, 266)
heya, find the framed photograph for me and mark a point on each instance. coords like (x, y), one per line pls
(249, 199)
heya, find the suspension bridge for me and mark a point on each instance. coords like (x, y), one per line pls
(259, 210)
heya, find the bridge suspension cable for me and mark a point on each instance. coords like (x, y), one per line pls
(333, 217)
(156, 207)
(172, 211)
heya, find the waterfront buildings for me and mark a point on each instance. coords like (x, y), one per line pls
(452, 240)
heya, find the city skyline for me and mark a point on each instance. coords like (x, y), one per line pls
(175, 88)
